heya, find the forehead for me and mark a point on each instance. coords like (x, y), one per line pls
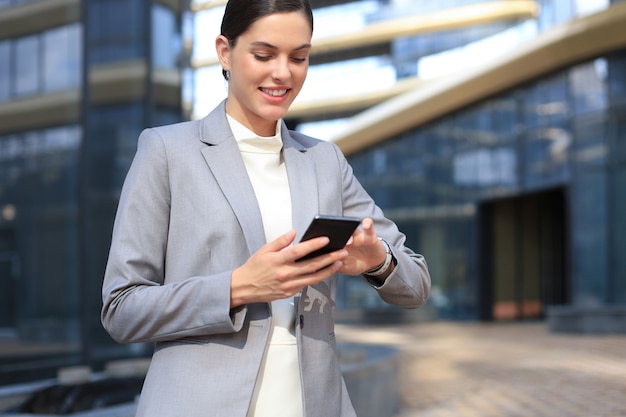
(280, 29)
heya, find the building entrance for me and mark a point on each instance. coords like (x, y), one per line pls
(8, 277)
(522, 255)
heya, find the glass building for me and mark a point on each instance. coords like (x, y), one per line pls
(490, 131)
(78, 81)
(504, 165)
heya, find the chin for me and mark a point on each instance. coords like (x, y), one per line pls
(274, 114)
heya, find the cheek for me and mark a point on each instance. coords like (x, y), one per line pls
(300, 74)
(248, 71)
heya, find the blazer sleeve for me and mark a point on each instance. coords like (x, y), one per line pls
(408, 285)
(138, 305)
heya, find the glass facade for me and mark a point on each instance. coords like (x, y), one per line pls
(114, 35)
(41, 63)
(541, 163)
(38, 250)
(111, 132)
(60, 178)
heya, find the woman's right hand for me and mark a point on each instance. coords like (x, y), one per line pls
(272, 272)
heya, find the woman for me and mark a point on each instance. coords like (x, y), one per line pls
(202, 259)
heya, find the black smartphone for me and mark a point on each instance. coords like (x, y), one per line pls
(337, 228)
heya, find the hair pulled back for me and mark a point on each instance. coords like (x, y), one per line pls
(240, 14)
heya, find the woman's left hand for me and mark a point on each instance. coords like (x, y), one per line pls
(365, 250)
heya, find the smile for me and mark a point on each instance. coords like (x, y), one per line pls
(274, 93)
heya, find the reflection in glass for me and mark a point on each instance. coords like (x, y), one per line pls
(486, 167)
(5, 70)
(38, 223)
(27, 65)
(62, 57)
(166, 42)
(588, 87)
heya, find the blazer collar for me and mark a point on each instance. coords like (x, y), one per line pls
(214, 129)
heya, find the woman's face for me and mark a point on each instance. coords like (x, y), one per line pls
(268, 66)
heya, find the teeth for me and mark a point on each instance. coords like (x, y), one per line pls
(275, 93)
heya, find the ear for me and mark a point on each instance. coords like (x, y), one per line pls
(222, 46)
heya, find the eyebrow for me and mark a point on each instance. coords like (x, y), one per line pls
(270, 46)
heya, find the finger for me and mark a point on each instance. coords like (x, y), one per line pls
(279, 243)
(326, 271)
(323, 261)
(367, 224)
(318, 274)
(304, 248)
(364, 235)
(307, 273)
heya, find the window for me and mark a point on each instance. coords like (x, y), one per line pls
(166, 44)
(5, 70)
(62, 55)
(44, 62)
(27, 65)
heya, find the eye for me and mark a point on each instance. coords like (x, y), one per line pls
(262, 58)
(298, 60)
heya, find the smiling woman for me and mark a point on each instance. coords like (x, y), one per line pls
(204, 253)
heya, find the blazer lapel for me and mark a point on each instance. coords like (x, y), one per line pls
(225, 162)
(304, 187)
(303, 184)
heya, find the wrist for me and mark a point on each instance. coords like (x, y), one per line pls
(382, 268)
(240, 291)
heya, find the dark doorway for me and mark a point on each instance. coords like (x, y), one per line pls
(523, 251)
(9, 271)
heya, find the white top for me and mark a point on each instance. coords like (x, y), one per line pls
(278, 390)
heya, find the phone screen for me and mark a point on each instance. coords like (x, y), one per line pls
(337, 228)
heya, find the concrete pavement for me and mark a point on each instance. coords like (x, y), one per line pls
(468, 369)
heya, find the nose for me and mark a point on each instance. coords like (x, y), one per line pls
(281, 71)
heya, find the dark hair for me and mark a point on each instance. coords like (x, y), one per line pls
(240, 14)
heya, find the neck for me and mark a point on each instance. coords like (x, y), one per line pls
(261, 127)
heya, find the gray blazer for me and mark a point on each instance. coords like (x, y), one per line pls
(187, 217)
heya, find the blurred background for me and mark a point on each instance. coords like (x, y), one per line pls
(492, 132)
